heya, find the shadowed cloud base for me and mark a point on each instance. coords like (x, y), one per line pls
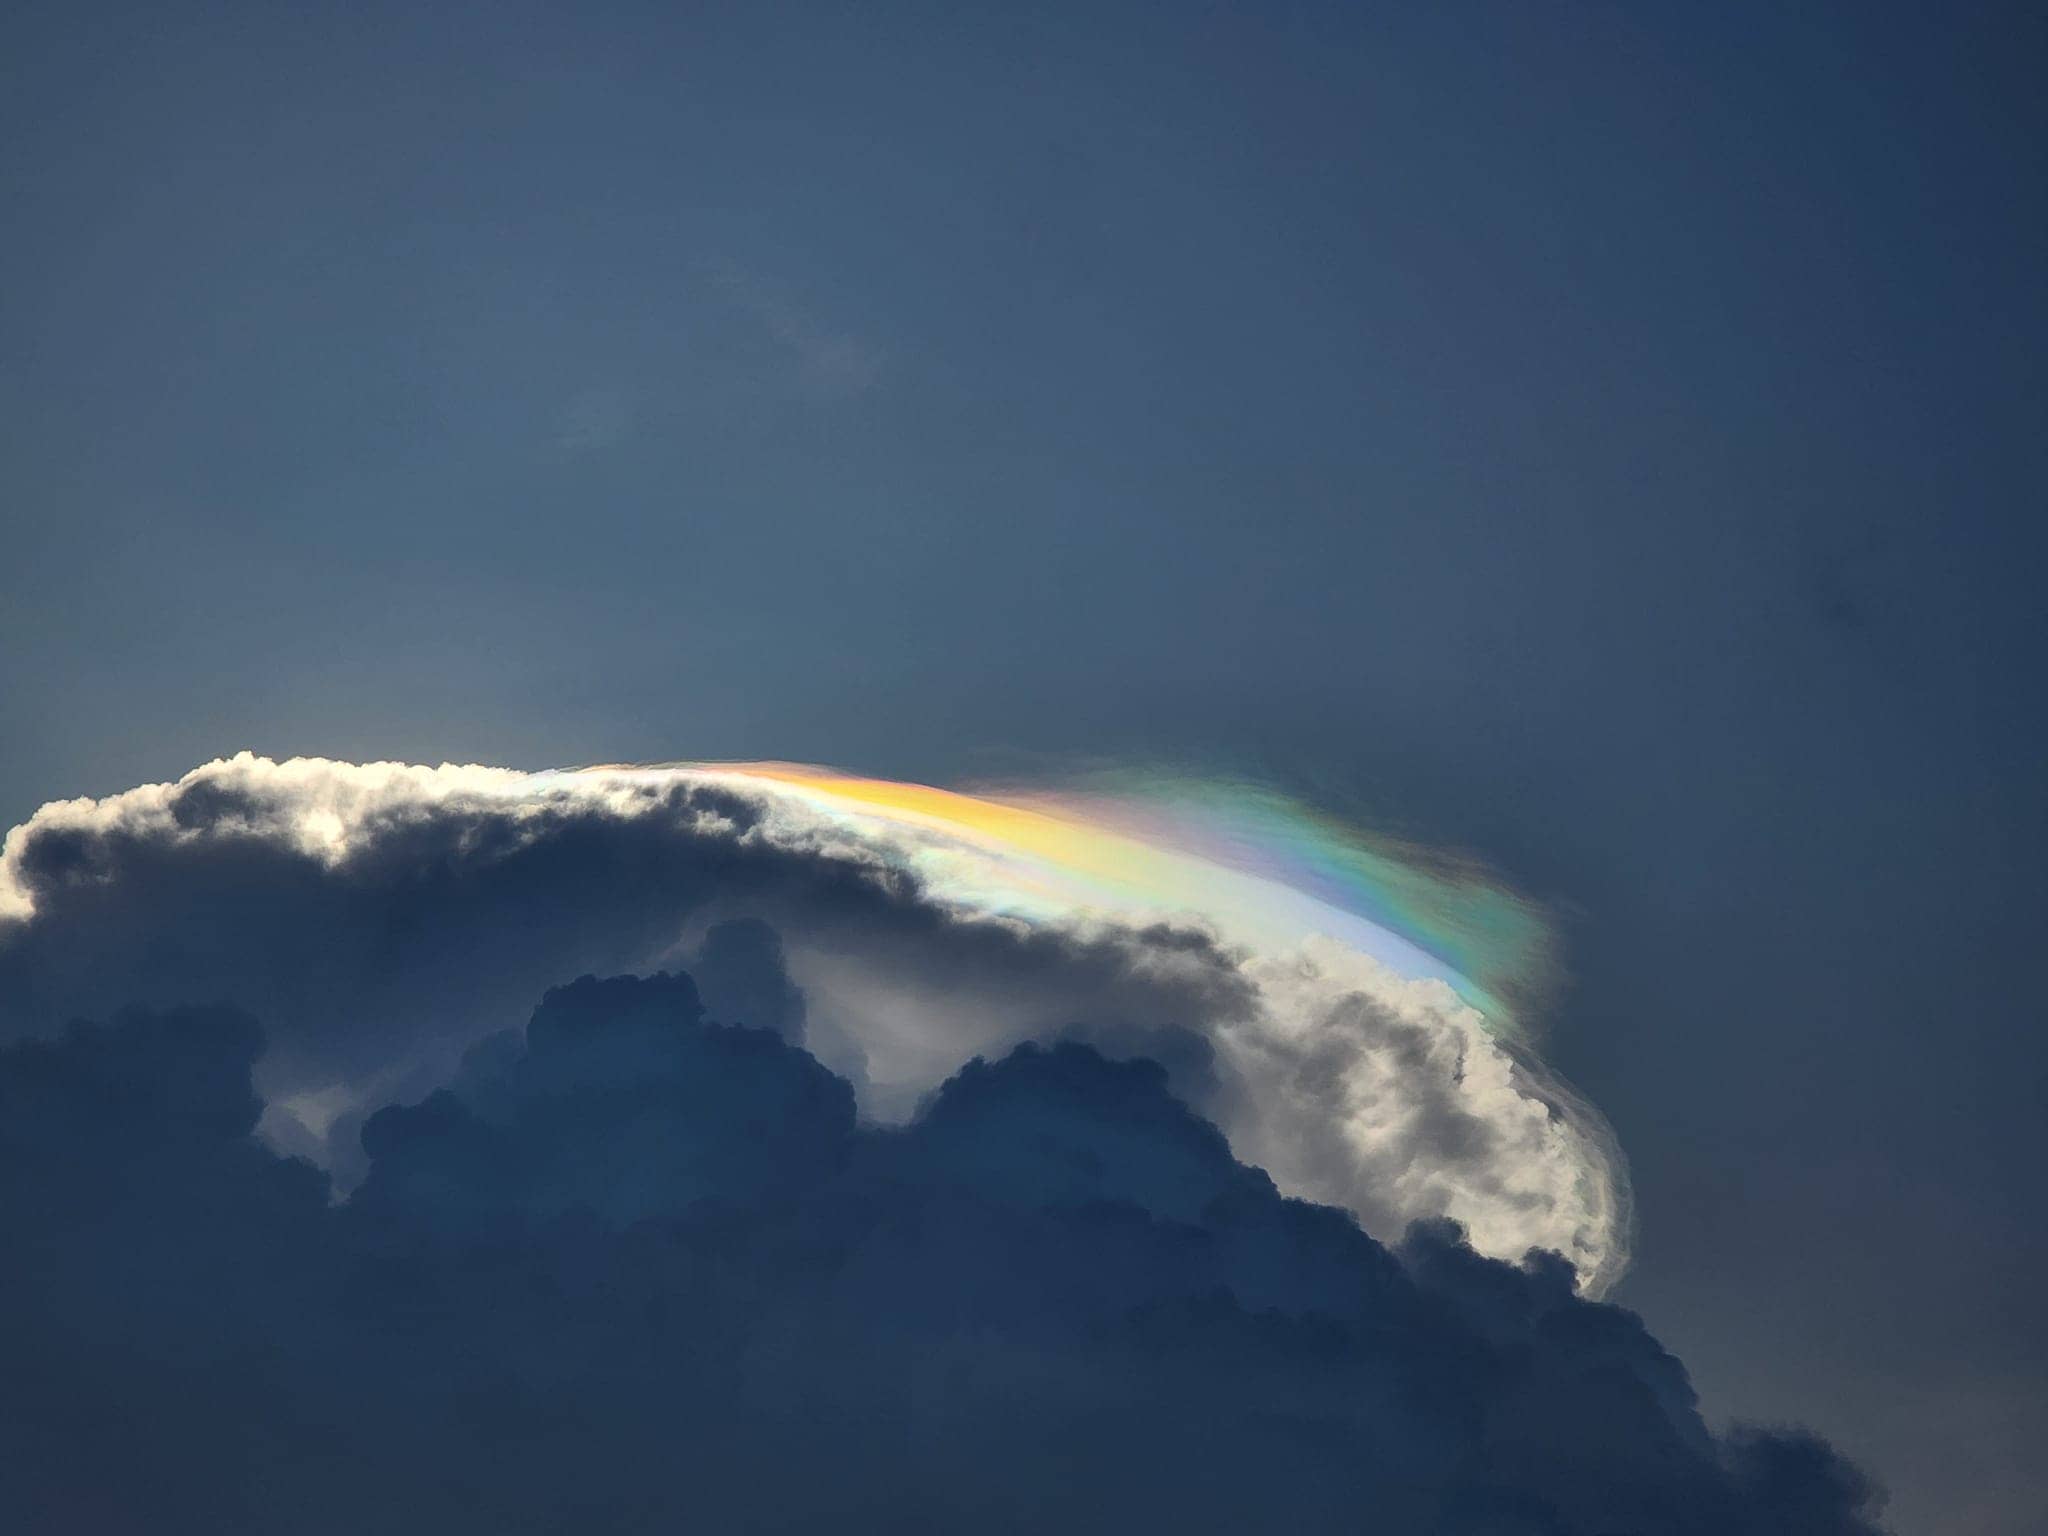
(635, 1270)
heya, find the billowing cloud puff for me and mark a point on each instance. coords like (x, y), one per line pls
(382, 918)
(638, 1271)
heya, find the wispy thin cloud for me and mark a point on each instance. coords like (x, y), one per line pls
(593, 420)
(830, 362)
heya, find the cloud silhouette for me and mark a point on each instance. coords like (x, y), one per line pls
(635, 1270)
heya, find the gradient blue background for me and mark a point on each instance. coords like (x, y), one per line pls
(1605, 438)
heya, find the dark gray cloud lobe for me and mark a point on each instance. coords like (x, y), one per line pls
(638, 1271)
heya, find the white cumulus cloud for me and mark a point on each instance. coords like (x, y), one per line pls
(382, 918)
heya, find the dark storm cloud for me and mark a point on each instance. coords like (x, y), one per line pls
(639, 1271)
